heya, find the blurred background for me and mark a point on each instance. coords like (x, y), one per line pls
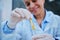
(6, 6)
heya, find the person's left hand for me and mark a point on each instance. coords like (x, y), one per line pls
(42, 37)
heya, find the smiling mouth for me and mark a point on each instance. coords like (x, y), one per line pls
(35, 9)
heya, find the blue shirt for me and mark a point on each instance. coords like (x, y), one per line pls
(24, 31)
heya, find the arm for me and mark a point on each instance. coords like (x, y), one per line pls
(58, 32)
(9, 29)
(6, 28)
(57, 35)
(10, 34)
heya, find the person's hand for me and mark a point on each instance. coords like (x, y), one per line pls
(42, 37)
(17, 15)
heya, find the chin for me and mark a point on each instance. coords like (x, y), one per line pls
(35, 14)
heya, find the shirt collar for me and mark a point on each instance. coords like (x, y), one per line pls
(47, 17)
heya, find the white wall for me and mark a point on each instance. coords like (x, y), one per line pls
(7, 7)
(1, 6)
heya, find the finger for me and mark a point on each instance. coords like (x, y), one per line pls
(17, 11)
(37, 37)
(14, 14)
(48, 35)
(20, 12)
(26, 13)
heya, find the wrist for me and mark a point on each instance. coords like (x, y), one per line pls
(11, 25)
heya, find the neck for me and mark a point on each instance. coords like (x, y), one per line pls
(40, 17)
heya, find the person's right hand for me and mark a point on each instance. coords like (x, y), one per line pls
(43, 37)
(17, 15)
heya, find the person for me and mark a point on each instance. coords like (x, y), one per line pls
(32, 23)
